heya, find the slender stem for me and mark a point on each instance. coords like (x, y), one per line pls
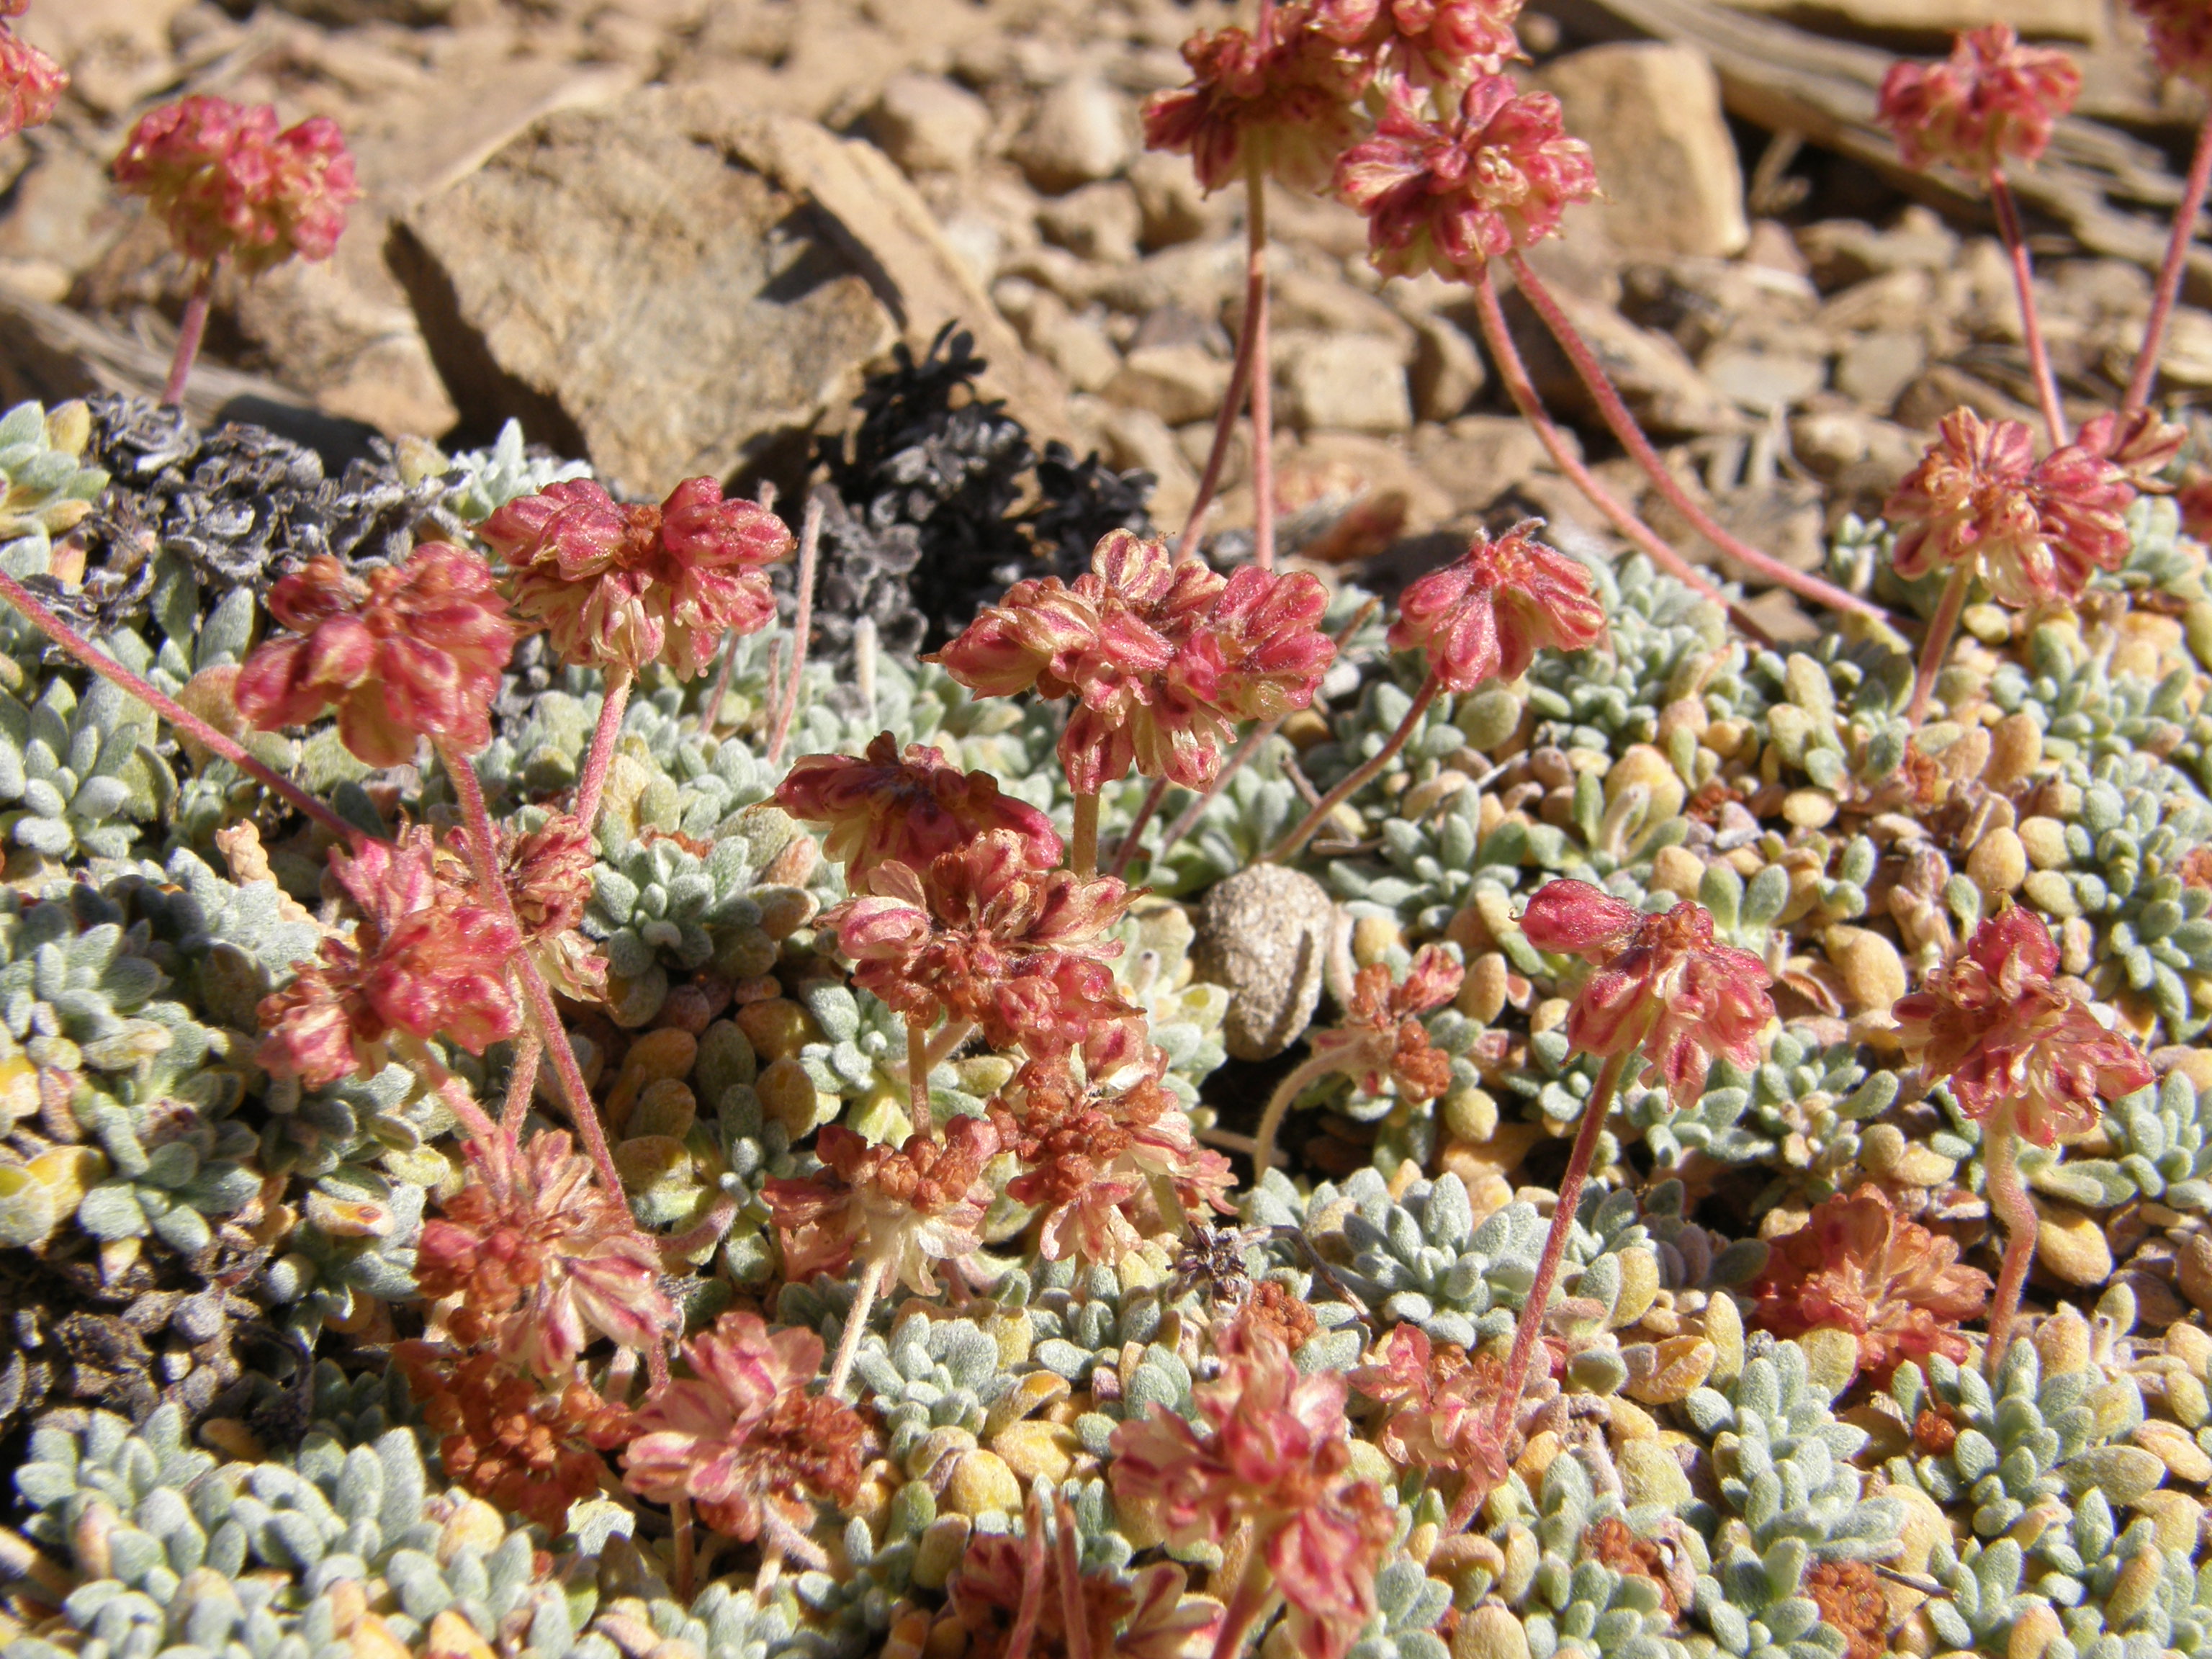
(1303, 1076)
(1128, 849)
(1940, 627)
(848, 1343)
(597, 764)
(190, 333)
(1225, 428)
(1531, 1327)
(711, 710)
(2031, 318)
(1361, 776)
(679, 1514)
(1262, 370)
(1251, 1601)
(1609, 404)
(170, 709)
(2169, 274)
(1032, 1600)
(917, 1075)
(771, 1569)
(1515, 373)
(483, 844)
(1075, 1628)
(702, 1234)
(450, 1089)
(1082, 850)
(949, 1036)
(2010, 1200)
(802, 624)
(522, 1081)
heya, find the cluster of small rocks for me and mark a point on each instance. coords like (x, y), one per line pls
(671, 236)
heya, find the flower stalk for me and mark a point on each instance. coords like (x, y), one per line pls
(1083, 844)
(1261, 371)
(2007, 207)
(191, 331)
(849, 1341)
(1937, 646)
(2010, 1201)
(2170, 274)
(613, 702)
(802, 624)
(1359, 777)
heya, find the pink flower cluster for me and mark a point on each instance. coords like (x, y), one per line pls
(1286, 101)
(906, 1207)
(983, 934)
(1271, 1451)
(1993, 100)
(1381, 1035)
(909, 809)
(31, 82)
(1663, 986)
(1426, 42)
(2037, 530)
(1162, 658)
(618, 585)
(1484, 616)
(1449, 196)
(1999, 1026)
(2180, 37)
(228, 183)
(426, 960)
(1442, 1402)
(410, 652)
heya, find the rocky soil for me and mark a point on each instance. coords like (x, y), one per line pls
(670, 235)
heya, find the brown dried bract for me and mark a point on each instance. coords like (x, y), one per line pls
(1850, 1598)
(1611, 1542)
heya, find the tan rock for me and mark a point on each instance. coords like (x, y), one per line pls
(1178, 383)
(1264, 934)
(1478, 458)
(1447, 373)
(1651, 115)
(1083, 130)
(927, 123)
(1098, 222)
(1344, 383)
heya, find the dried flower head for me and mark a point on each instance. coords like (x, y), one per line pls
(548, 872)
(505, 1435)
(30, 83)
(2142, 445)
(1442, 1404)
(1270, 1450)
(982, 934)
(2037, 530)
(2180, 37)
(909, 808)
(1284, 101)
(1993, 100)
(2004, 1032)
(1162, 657)
(425, 960)
(906, 1206)
(1857, 1265)
(619, 586)
(409, 652)
(540, 1257)
(1427, 42)
(742, 1438)
(1663, 986)
(1851, 1599)
(227, 182)
(1450, 195)
(1381, 1035)
(1484, 616)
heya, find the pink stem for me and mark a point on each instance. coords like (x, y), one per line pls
(190, 333)
(455, 1093)
(679, 1514)
(1360, 777)
(712, 711)
(1261, 369)
(1082, 842)
(917, 1076)
(1076, 1626)
(2001, 1179)
(1530, 1330)
(1303, 1076)
(169, 708)
(1032, 1603)
(1937, 646)
(1607, 398)
(802, 624)
(522, 1081)
(1225, 428)
(1249, 1603)
(2169, 275)
(614, 700)
(2031, 318)
(1128, 849)
(1515, 373)
(849, 1344)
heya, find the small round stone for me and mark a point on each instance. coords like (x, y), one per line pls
(1263, 935)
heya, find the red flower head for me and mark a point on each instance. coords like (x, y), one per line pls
(414, 650)
(2141, 445)
(1451, 195)
(1858, 1266)
(1272, 1451)
(1484, 616)
(1162, 658)
(984, 935)
(1381, 1035)
(548, 872)
(426, 960)
(1997, 1024)
(228, 182)
(908, 1206)
(745, 1440)
(620, 586)
(2180, 37)
(1428, 42)
(1663, 986)
(541, 1257)
(909, 808)
(1285, 101)
(31, 82)
(1442, 1404)
(2039, 528)
(1992, 100)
